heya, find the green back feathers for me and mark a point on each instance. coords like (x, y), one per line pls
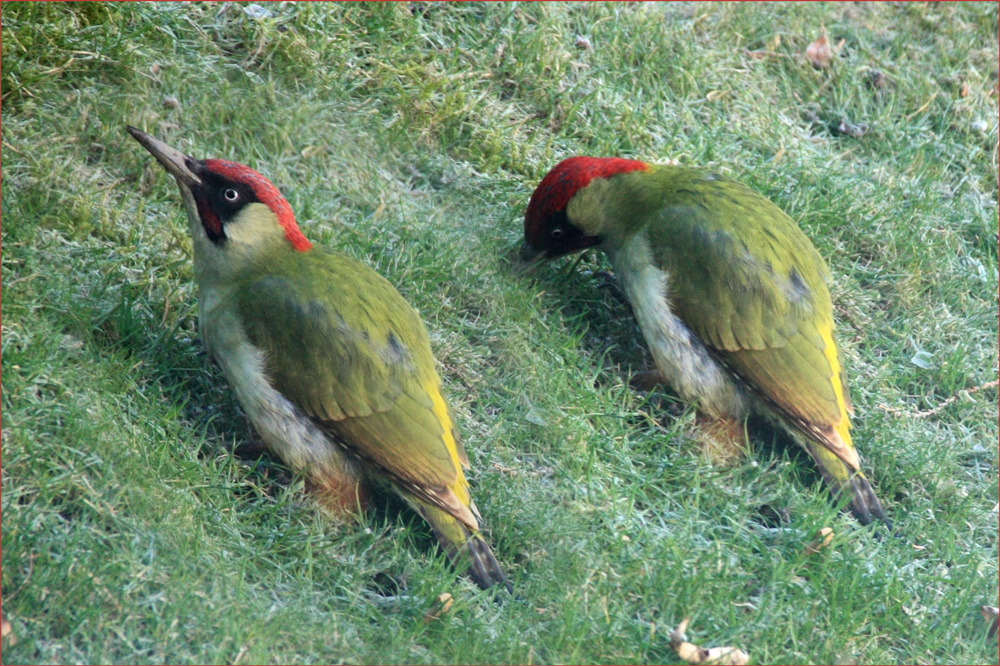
(342, 344)
(748, 282)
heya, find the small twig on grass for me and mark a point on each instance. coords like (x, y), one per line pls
(10, 147)
(761, 55)
(923, 108)
(935, 410)
(239, 655)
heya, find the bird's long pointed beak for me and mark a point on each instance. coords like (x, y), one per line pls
(172, 159)
(528, 259)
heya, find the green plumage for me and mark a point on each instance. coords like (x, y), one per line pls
(730, 295)
(342, 344)
(747, 281)
(332, 365)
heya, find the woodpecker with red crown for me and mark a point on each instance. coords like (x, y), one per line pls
(730, 296)
(329, 361)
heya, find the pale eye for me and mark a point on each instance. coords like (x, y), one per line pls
(556, 233)
(231, 194)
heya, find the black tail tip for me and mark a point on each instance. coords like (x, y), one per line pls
(865, 506)
(484, 570)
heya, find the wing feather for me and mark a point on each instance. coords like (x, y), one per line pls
(752, 286)
(343, 344)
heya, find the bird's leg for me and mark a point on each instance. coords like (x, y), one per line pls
(723, 440)
(647, 380)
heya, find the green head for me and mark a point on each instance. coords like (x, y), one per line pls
(566, 212)
(234, 212)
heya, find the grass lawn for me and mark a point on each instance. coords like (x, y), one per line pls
(411, 136)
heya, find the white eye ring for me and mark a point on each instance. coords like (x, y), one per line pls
(556, 233)
(231, 194)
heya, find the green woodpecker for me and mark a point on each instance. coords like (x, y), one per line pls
(329, 361)
(729, 293)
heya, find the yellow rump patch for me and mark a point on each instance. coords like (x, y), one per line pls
(843, 427)
(461, 488)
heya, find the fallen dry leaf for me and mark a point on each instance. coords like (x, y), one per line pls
(694, 654)
(5, 630)
(441, 606)
(965, 89)
(818, 53)
(822, 540)
(991, 613)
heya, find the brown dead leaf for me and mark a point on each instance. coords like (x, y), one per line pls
(441, 606)
(694, 654)
(991, 613)
(822, 540)
(964, 92)
(818, 53)
(6, 631)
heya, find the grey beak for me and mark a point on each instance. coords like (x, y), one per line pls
(528, 259)
(174, 161)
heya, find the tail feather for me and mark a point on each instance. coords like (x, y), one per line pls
(465, 547)
(485, 571)
(843, 479)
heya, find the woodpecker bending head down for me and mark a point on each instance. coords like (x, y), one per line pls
(728, 291)
(549, 229)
